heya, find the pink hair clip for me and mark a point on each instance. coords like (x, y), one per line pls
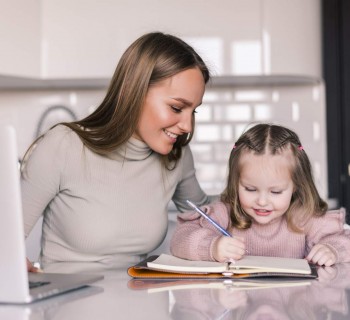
(301, 148)
(234, 146)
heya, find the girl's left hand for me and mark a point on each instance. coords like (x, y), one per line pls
(322, 255)
(327, 274)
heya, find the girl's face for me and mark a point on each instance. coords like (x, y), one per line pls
(265, 185)
(168, 110)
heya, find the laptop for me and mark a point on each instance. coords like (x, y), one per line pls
(16, 284)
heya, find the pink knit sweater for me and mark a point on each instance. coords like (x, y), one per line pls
(195, 237)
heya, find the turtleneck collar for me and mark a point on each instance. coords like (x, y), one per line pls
(132, 150)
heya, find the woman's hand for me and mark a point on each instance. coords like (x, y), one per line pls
(31, 268)
(227, 248)
(322, 255)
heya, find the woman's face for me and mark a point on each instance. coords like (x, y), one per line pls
(168, 110)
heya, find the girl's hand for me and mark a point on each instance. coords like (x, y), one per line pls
(227, 248)
(322, 255)
(327, 274)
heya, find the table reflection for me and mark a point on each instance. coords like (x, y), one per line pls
(325, 298)
(47, 308)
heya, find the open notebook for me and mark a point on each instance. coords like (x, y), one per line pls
(14, 279)
(167, 266)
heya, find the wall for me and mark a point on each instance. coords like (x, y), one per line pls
(85, 38)
(25, 108)
(224, 114)
(227, 112)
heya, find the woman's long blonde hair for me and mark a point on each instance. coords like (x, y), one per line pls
(150, 59)
(267, 138)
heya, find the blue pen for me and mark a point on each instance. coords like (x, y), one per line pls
(204, 215)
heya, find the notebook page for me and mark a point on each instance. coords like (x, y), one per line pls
(249, 264)
(170, 263)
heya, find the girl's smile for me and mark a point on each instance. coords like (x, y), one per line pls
(265, 185)
(262, 212)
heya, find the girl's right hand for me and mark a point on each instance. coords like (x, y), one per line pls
(227, 248)
(31, 268)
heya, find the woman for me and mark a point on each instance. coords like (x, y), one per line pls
(103, 183)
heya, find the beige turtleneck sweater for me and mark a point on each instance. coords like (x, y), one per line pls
(102, 209)
(195, 237)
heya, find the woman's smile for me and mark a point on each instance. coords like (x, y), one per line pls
(171, 135)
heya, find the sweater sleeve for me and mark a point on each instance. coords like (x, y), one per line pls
(188, 187)
(40, 179)
(194, 236)
(329, 230)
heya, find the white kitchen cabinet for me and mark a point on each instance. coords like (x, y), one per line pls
(288, 41)
(291, 37)
(20, 38)
(85, 38)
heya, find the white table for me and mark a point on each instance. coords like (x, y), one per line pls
(114, 298)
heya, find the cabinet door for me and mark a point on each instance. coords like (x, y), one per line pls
(291, 37)
(20, 38)
(85, 39)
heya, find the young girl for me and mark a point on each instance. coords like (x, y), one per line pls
(270, 206)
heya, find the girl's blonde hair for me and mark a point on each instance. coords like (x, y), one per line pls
(150, 59)
(267, 138)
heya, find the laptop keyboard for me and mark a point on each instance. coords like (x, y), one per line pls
(35, 284)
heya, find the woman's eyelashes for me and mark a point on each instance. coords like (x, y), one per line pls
(176, 109)
(179, 109)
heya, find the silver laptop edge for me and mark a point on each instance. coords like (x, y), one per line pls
(13, 269)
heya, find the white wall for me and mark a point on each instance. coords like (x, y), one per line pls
(224, 114)
(227, 112)
(85, 38)
(23, 109)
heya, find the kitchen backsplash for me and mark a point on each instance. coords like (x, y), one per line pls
(225, 113)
